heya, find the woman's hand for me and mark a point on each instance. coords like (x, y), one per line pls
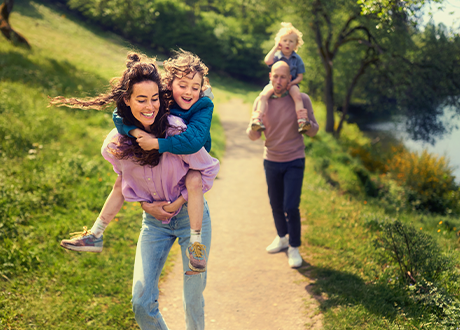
(146, 141)
(174, 206)
(156, 210)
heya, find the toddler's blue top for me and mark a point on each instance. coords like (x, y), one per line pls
(295, 62)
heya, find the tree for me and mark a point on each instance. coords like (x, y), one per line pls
(421, 84)
(5, 9)
(370, 31)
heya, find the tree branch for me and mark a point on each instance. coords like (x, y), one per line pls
(364, 64)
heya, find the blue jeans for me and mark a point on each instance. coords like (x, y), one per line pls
(284, 181)
(153, 247)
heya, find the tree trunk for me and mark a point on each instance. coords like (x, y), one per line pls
(5, 9)
(346, 102)
(329, 99)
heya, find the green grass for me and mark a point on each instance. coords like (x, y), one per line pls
(53, 179)
(355, 289)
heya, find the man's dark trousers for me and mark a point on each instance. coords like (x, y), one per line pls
(284, 181)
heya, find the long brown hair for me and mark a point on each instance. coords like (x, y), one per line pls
(139, 68)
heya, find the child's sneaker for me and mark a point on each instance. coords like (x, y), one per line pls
(257, 125)
(304, 125)
(83, 241)
(196, 254)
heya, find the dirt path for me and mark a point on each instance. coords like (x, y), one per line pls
(248, 289)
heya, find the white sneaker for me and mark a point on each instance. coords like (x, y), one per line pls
(295, 259)
(278, 244)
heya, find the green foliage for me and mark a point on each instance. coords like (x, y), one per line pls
(388, 10)
(416, 253)
(411, 180)
(226, 36)
(431, 60)
(430, 277)
(442, 308)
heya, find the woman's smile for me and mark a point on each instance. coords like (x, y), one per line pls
(144, 102)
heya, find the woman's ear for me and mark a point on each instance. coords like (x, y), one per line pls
(126, 101)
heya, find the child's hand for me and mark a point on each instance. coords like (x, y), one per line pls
(288, 87)
(147, 141)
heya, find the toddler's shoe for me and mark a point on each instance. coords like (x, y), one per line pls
(83, 241)
(257, 125)
(278, 244)
(304, 125)
(196, 254)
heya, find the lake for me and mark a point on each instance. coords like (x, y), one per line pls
(448, 145)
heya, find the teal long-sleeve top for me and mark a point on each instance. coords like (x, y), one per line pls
(198, 120)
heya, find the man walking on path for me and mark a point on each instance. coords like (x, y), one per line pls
(284, 161)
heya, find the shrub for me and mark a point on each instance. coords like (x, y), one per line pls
(424, 181)
(428, 180)
(417, 254)
(430, 277)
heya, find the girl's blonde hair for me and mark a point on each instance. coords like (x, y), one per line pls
(288, 28)
(180, 65)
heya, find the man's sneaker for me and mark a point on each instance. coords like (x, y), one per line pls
(294, 258)
(83, 241)
(304, 125)
(278, 244)
(257, 125)
(196, 253)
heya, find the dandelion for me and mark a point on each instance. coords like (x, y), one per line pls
(108, 174)
(455, 228)
(116, 219)
(421, 228)
(365, 202)
(87, 179)
(440, 222)
(439, 230)
(100, 179)
(125, 207)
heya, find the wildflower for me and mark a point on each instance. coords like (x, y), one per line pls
(440, 222)
(365, 202)
(125, 207)
(420, 228)
(87, 179)
(100, 179)
(439, 230)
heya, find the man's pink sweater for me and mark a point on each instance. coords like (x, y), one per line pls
(283, 143)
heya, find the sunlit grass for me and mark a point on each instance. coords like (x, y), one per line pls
(54, 181)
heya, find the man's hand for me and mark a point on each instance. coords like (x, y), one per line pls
(156, 210)
(147, 141)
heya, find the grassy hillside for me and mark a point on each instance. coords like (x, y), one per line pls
(53, 179)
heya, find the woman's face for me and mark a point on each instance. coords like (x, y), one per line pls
(186, 90)
(144, 102)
